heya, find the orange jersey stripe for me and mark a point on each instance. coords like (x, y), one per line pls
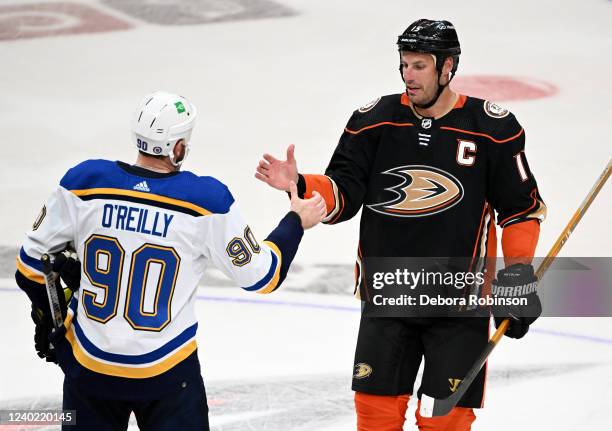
(480, 227)
(533, 194)
(384, 123)
(499, 141)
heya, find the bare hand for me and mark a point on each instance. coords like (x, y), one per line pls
(278, 173)
(311, 211)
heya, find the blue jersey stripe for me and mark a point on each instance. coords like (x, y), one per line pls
(264, 281)
(146, 358)
(74, 304)
(30, 261)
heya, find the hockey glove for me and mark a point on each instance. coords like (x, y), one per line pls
(68, 266)
(516, 282)
(44, 326)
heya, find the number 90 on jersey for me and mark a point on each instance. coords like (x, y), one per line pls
(241, 249)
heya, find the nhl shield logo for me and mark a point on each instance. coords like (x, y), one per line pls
(426, 123)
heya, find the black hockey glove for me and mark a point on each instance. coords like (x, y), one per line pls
(68, 266)
(517, 281)
(44, 326)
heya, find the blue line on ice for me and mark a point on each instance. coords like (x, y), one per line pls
(272, 302)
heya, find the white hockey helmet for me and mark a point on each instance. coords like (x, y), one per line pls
(161, 120)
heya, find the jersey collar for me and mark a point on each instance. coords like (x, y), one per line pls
(461, 99)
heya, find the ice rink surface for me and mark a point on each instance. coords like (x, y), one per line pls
(268, 74)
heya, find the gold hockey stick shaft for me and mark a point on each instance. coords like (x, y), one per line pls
(441, 407)
(560, 242)
(586, 203)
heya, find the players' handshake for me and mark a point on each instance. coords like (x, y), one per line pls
(311, 211)
(283, 175)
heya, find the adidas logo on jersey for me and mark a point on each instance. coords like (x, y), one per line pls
(142, 186)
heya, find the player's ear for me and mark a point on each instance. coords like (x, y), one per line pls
(179, 150)
(448, 66)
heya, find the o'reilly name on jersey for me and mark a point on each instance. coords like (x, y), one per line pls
(134, 219)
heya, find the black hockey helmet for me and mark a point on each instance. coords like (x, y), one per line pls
(432, 37)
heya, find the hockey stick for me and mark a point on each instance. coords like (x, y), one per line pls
(50, 277)
(431, 407)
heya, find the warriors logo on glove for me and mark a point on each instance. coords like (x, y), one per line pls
(517, 281)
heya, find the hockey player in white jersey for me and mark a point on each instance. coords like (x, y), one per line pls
(144, 234)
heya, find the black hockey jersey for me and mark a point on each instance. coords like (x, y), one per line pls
(429, 187)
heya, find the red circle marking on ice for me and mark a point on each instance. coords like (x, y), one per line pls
(502, 88)
(24, 21)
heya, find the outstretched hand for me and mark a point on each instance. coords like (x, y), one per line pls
(311, 211)
(278, 173)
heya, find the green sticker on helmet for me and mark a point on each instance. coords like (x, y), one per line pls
(179, 107)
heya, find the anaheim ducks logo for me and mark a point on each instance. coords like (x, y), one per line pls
(362, 370)
(424, 191)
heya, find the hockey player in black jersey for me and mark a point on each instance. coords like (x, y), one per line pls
(432, 171)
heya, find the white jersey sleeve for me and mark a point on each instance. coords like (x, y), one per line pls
(47, 237)
(234, 249)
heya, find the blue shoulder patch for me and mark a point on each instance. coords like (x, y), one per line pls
(205, 192)
(88, 174)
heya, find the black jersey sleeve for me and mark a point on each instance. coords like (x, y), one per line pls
(512, 189)
(350, 166)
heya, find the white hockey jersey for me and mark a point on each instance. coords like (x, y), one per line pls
(144, 243)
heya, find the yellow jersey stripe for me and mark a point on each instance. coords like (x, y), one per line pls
(68, 319)
(123, 371)
(29, 273)
(142, 195)
(274, 282)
